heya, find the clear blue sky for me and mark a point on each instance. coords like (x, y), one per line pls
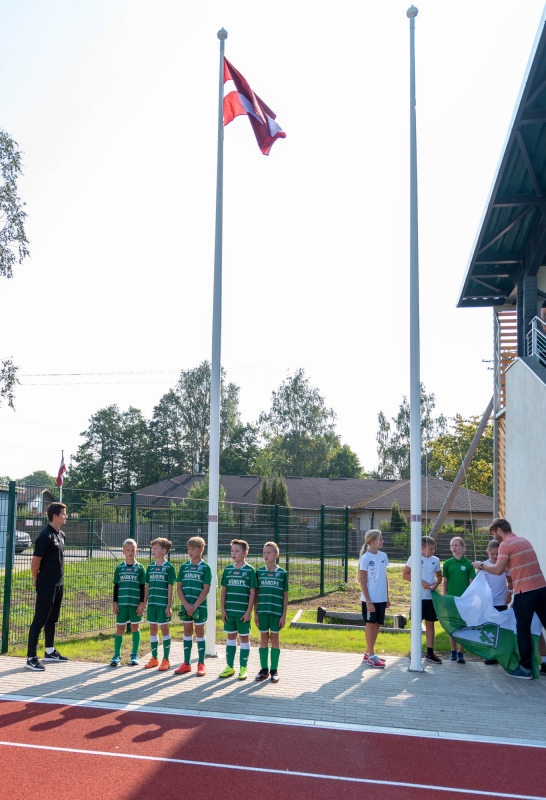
(114, 105)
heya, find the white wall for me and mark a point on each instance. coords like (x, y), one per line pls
(526, 456)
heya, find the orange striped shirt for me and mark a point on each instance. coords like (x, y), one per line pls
(522, 563)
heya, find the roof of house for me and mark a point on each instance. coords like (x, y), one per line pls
(433, 493)
(314, 492)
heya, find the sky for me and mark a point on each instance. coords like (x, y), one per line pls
(114, 106)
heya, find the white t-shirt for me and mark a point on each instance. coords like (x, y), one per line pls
(429, 566)
(375, 565)
(497, 584)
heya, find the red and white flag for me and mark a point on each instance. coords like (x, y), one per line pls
(242, 100)
(62, 470)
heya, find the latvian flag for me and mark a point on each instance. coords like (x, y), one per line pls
(242, 100)
(62, 470)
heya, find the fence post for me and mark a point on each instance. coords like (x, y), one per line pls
(90, 532)
(10, 549)
(346, 576)
(322, 532)
(276, 531)
(132, 518)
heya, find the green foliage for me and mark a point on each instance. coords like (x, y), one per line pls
(8, 381)
(449, 449)
(13, 240)
(393, 440)
(192, 507)
(240, 451)
(398, 521)
(264, 494)
(274, 493)
(38, 478)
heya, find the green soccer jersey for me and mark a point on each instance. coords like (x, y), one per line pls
(271, 589)
(159, 579)
(129, 578)
(459, 573)
(238, 582)
(193, 577)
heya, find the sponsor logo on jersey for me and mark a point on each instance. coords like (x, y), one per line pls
(266, 582)
(463, 567)
(235, 582)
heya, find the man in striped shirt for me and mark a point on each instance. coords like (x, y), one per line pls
(517, 556)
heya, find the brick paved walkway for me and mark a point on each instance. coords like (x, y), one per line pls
(321, 688)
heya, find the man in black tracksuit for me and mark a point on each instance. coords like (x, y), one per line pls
(47, 569)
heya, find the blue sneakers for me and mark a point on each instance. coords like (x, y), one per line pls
(520, 672)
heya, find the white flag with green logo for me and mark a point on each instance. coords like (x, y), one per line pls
(473, 621)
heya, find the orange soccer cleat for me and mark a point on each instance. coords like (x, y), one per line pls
(201, 670)
(183, 668)
(164, 666)
(153, 662)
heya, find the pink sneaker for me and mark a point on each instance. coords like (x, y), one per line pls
(366, 659)
(375, 661)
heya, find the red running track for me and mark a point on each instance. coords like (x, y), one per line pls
(126, 758)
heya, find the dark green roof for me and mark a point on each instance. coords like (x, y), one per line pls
(512, 232)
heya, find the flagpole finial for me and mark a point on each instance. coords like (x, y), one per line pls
(411, 12)
(222, 34)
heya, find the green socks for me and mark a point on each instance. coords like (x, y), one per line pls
(154, 644)
(230, 654)
(201, 650)
(188, 641)
(244, 652)
(275, 653)
(118, 641)
(166, 646)
(136, 642)
(264, 656)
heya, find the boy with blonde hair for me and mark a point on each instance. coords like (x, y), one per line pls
(270, 610)
(237, 598)
(431, 578)
(158, 595)
(458, 573)
(193, 586)
(129, 582)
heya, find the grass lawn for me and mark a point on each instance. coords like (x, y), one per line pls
(345, 597)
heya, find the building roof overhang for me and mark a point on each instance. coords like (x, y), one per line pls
(512, 232)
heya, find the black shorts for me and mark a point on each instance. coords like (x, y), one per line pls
(377, 616)
(427, 611)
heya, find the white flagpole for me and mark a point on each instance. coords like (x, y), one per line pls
(62, 476)
(415, 379)
(214, 452)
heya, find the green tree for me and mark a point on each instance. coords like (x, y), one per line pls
(264, 492)
(398, 521)
(193, 505)
(393, 440)
(240, 451)
(113, 454)
(449, 449)
(38, 478)
(13, 241)
(179, 429)
(299, 435)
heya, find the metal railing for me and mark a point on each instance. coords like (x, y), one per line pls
(536, 340)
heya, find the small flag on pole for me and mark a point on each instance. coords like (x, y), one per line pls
(473, 621)
(62, 470)
(242, 100)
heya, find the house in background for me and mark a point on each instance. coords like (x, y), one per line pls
(369, 501)
(507, 272)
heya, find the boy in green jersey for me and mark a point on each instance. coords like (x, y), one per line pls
(158, 595)
(458, 573)
(270, 610)
(237, 599)
(129, 580)
(193, 586)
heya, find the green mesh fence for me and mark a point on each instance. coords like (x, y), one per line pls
(314, 547)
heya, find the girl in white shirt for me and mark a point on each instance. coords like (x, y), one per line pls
(372, 577)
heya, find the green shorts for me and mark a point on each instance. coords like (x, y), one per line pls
(128, 614)
(157, 614)
(199, 615)
(236, 625)
(268, 622)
